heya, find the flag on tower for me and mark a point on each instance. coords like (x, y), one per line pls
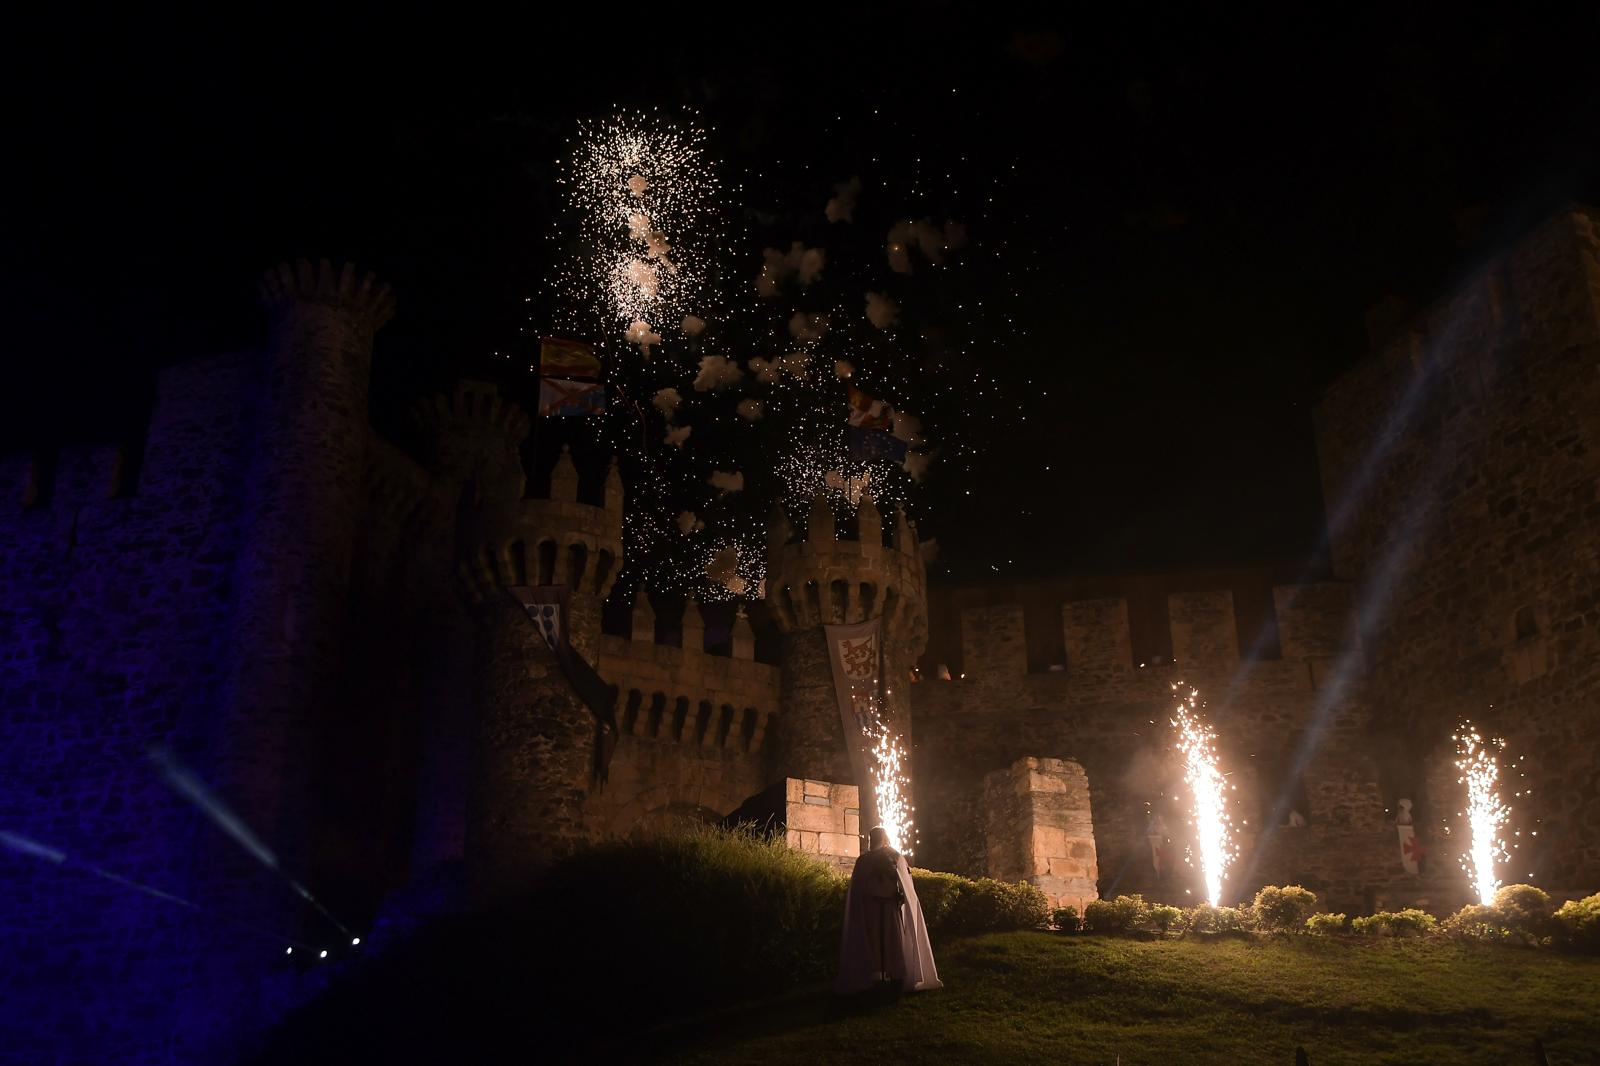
(563, 358)
(870, 431)
(869, 412)
(560, 398)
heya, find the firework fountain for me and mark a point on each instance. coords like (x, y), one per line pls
(891, 786)
(1213, 828)
(1486, 815)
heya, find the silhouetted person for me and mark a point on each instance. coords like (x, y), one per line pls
(885, 941)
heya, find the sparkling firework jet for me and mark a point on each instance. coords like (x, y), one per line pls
(1486, 815)
(891, 786)
(1197, 741)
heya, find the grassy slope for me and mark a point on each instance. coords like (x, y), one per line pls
(1018, 997)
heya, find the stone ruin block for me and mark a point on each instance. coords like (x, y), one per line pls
(1205, 634)
(1099, 645)
(1039, 829)
(823, 819)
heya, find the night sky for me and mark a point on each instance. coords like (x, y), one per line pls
(1192, 217)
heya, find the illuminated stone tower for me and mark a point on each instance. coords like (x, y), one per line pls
(309, 442)
(824, 579)
(532, 740)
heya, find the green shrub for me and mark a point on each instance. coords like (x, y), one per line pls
(1409, 922)
(1578, 923)
(1115, 915)
(990, 906)
(1325, 924)
(1066, 919)
(1526, 910)
(778, 913)
(1282, 909)
(1478, 923)
(1161, 917)
(1206, 920)
(937, 892)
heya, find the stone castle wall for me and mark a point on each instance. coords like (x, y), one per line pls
(1295, 726)
(114, 608)
(1461, 464)
(693, 726)
(353, 709)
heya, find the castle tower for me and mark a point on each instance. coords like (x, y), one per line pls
(823, 580)
(533, 738)
(299, 521)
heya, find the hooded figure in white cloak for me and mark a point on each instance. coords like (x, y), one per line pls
(885, 941)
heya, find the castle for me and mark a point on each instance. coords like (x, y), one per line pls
(337, 636)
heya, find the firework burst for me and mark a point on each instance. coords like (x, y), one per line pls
(1486, 815)
(1213, 827)
(649, 226)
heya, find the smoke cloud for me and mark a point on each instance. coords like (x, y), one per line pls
(925, 237)
(842, 207)
(693, 325)
(881, 311)
(750, 409)
(716, 372)
(808, 329)
(676, 435)
(666, 401)
(907, 427)
(640, 333)
(727, 482)
(800, 262)
(916, 464)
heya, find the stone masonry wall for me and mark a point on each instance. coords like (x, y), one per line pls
(113, 611)
(1299, 721)
(694, 726)
(1039, 829)
(1461, 465)
(824, 819)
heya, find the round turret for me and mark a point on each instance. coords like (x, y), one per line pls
(476, 437)
(824, 580)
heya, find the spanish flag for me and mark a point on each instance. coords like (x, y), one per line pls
(563, 358)
(869, 412)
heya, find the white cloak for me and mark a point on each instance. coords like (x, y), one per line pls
(907, 937)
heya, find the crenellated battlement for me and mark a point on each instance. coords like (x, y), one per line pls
(685, 694)
(556, 540)
(476, 435)
(1315, 623)
(826, 579)
(81, 474)
(345, 287)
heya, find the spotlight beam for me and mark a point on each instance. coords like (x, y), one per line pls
(188, 785)
(60, 859)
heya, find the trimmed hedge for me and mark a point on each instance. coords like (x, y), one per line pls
(1205, 920)
(1282, 910)
(960, 906)
(1578, 924)
(1521, 914)
(1408, 922)
(1325, 924)
(1118, 915)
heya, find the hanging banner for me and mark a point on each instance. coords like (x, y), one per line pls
(548, 605)
(1156, 833)
(856, 654)
(1411, 849)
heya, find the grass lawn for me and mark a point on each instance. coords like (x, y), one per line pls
(1036, 997)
